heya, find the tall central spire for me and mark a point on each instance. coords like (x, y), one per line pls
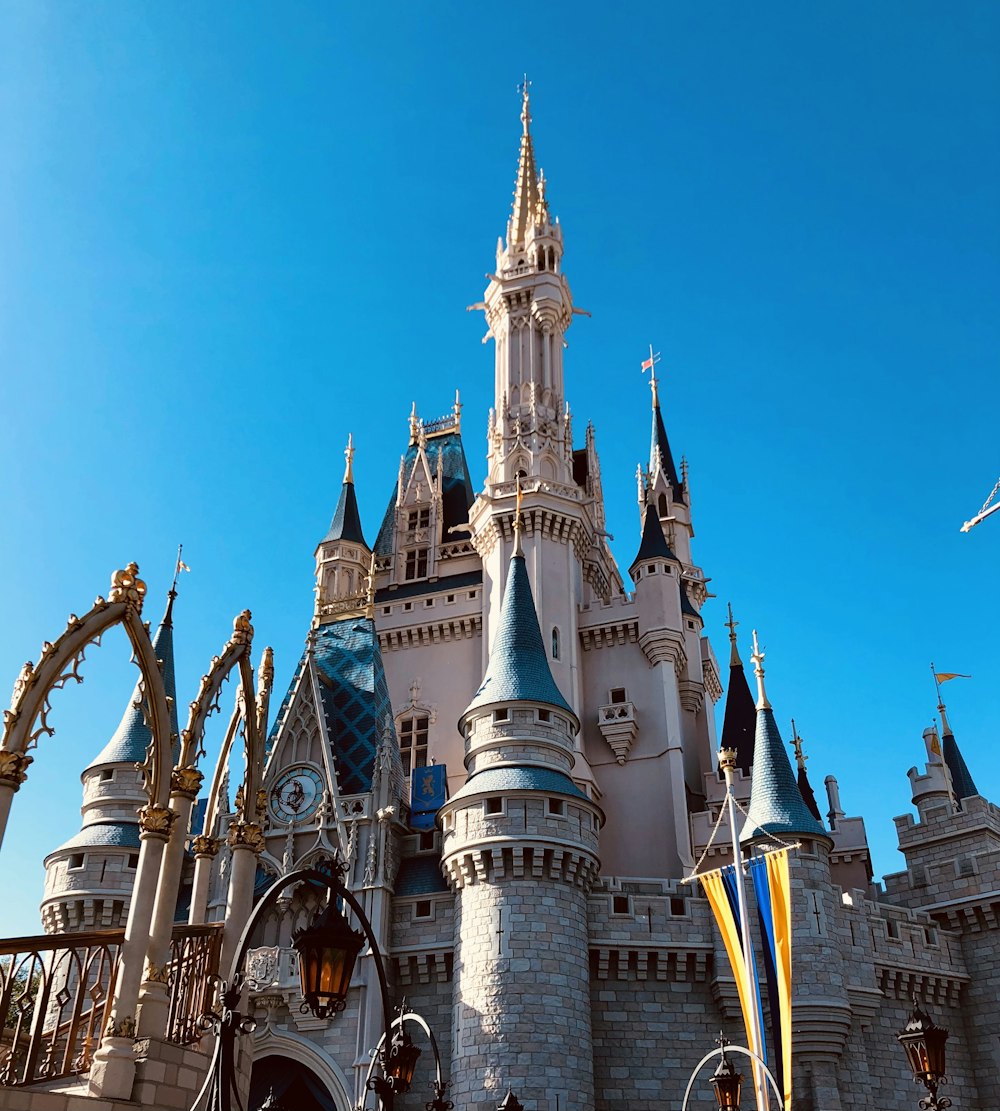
(528, 196)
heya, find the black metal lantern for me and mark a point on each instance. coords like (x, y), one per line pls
(727, 1083)
(924, 1046)
(401, 1060)
(327, 952)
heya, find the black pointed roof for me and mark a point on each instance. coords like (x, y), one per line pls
(653, 544)
(740, 723)
(346, 523)
(806, 791)
(961, 778)
(660, 444)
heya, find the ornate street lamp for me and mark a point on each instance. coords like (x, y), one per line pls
(726, 1082)
(924, 1046)
(327, 951)
(397, 1065)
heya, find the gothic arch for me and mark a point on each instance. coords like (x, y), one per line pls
(268, 1042)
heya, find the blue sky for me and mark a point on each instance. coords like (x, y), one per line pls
(235, 233)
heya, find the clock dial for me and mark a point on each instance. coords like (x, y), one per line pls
(296, 795)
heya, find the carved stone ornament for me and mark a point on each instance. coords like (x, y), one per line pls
(242, 629)
(186, 781)
(126, 586)
(157, 973)
(157, 821)
(12, 768)
(121, 1029)
(25, 677)
(203, 845)
(246, 835)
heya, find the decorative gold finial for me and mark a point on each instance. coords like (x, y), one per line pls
(457, 410)
(734, 652)
(517, 521)
(757, 659)
(414, 424)
(796, 743)
(650, 365)
(525, 103)
(349, 456)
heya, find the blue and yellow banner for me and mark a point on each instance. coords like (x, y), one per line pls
(770, 883)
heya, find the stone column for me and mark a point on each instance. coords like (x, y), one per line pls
(246, 841)
(113, 1070)
(154, 994)
(205, 850)
(13, 773)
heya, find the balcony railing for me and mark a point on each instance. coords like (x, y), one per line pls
(56, 992)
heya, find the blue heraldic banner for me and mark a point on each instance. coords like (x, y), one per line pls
(428, 793)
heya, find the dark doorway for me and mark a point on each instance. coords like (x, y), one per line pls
(296, 1087)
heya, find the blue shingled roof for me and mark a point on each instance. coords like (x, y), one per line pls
(653, 544)
(961, 778)
(776, 805)
(346, 523)
(659, 442)
(457, 492)
(420, 875)
(518, 777)
(130, 740)
(355, 700)
(104, 835)
(518, 669)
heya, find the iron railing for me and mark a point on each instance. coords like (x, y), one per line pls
(56, 992)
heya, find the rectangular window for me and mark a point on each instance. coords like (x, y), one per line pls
(107, 775)
(75, 861)
(133, 860)
(413, 742)
(620, 904)
(544, 715)
(557, 807)
(494, 805)
(678, 907)
(416, 564)
(422, 909)
(427, 841)
(618, 695)
(501, 715)
(418, 518)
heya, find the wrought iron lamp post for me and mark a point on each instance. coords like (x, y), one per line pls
(726, 1082)
(924, 1046)
(327, 952)
(398, 1064)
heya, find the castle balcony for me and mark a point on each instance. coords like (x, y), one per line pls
(618, 725)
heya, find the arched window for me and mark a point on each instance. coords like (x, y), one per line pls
(661, 505)
(555, 643)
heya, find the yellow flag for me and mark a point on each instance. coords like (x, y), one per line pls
(944, 676)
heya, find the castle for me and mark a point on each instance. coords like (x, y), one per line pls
(514, 753)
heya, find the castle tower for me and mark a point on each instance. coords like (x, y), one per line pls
(343, 558)
(529, 307)
(778, 815)
(520, 852)
(89, 879)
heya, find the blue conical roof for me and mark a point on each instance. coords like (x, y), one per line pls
(961, 778)
(518, 669)
(653, 544)
(346, 523)
(132, 738)
(659, 443)
(776, 804)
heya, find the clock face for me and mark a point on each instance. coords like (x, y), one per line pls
(296, 795)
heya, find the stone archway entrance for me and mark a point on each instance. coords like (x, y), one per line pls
(294, 1084)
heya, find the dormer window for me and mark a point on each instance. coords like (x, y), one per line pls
(416, 564)
(418, 518)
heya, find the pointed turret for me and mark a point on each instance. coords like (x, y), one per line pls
(346, 523)
(130, 740)
(776, 806)
(660, 456)
(653, 544)
(805, 787)
(961, 778)
(740, 722)
(518, 668)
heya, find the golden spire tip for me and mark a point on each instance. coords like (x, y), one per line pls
(734, 652)
(757, 658)
(349, 457)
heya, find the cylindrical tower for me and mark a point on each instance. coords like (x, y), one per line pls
(520, 851)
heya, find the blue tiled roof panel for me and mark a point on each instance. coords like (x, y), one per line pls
(776, 804)
(420, 875)
(104, 835)
(457, 493)
(518, 669)
(519, 777)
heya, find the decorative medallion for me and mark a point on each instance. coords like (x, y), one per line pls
(296, 795)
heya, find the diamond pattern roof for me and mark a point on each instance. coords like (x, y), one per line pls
(420, 875)
(518, 669)
(355, 701)
(130, 740)
(776, 805)
(457, 494)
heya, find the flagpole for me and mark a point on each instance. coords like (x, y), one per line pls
(727, 764)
